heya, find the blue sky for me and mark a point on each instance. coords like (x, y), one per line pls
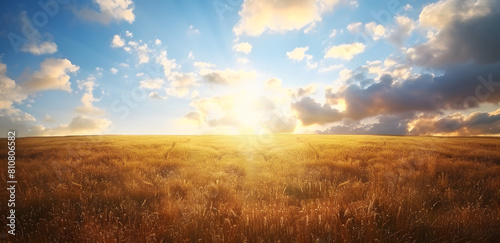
(247, 67)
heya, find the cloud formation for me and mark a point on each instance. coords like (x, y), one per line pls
(155, 95)
(259, 16)
(477, 123)
(298, 54)
(310, 112)
(371, 29)
(36, 44)
(167, 64)
(109, 10)
(244, 47)
(459, 31)
(403, 29)
(181, 84)
(79, 125)
(117, 41)
(376, 31)
(172, 80)
(345, 51)
(45, 47)
(53, 74)
(88, 98)
(386, 125)
(10, 93)
(460, 87)
(395, 100)
(302, 91)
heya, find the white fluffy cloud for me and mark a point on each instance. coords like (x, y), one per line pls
(10, 93)
(88, 99)
(244, 47)
(259, 16)
(372, 29)
(354, 27)
(333, 33)
(143, 53)
(180, 84)
(155, 95)
(142, 50)
(174, 82)
(203, 65)
(297, 54)
(35, 44)
(117, 41)
(441, 14)
(156, 83)
(53, 74)
(45, 47)
(80, 125)
(403, 30)
(167, 64)
(376, 31)
(109, 10)
(345, 51)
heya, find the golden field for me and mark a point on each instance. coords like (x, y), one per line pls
(275, 188)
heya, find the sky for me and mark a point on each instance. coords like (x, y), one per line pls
(393, 67)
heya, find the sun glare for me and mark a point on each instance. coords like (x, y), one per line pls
(341, 106)
(248, 112)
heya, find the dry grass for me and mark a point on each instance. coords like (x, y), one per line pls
(284, 188)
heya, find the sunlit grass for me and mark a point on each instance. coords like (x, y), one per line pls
(287, 188)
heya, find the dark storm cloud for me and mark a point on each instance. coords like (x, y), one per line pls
(462, 50)
(387, 125)
(459, 87)
(311, 112)
(471, 39)
(478, 123)
(394, 103)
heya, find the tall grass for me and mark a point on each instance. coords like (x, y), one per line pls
(287, 188)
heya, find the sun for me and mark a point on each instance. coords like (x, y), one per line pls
(248, 115)
(248, 111)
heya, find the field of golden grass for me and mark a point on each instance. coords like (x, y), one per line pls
(281, 188)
